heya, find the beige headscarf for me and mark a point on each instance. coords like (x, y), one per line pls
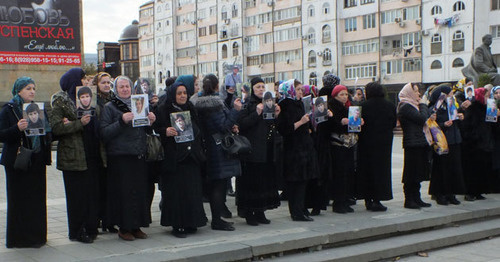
(407, 95)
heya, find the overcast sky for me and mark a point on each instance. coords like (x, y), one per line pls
(104, 20)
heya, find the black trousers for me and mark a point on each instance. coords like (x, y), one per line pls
(217, 193)
(296, 193)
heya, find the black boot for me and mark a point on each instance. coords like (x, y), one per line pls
(411, 204)
(422, 203)
(251, 219)
(378, 207)
(261, 218)
(84, 237)
(452, 200)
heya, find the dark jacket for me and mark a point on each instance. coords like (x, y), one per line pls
(70, 149)
(260, 132)
(452, 132)
(412, 122)
(339, 111)
(477, 133)
(217, 118)
(121, 138)
(11, 137)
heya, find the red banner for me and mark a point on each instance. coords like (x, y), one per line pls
(40, 58)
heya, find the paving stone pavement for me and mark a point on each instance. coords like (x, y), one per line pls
(108, 246)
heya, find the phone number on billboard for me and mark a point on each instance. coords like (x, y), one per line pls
(15, 59)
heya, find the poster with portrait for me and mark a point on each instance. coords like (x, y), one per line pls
(34, 114)
(86, 100)
(181, 121)
(491, 110)
(144, 86)
(354, 117)
(452, 108)
(439, 102)
(307, 101)
(469, 93)
(140, 109)
(320, 109)
(268, 101)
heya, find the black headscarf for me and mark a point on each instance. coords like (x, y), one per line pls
(436, 93)
(70, 80)
(171, 95)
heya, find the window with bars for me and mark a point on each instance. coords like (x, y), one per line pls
(458, 42)
(458, 62)
(327, 34)
(458, 6)
(436, 64)
(311, 59)
(436, 44)
(495, 4)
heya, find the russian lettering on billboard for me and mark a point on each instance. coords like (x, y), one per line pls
(40, 32)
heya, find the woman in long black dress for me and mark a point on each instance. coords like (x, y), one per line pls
(26, 190)
(181, 181)
(256, 188)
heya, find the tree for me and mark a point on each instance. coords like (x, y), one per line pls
(90, 68)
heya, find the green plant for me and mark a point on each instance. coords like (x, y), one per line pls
(484, 79)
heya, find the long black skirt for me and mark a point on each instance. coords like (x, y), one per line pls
(477, 170)
(127, 190)
(416, 165)
(257, 188)
(182, 204)
(447, 177)
(343, 172)
(26, 205)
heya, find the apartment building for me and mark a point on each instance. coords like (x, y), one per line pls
(147, 40)
(164, 44)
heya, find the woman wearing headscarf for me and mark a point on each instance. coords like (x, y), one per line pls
(413, 114)
(330, 81)
(126, 148)
(495, 183)
(256, 188)
(374, 180)
(478, 145)
(446, 176)
(78, 157)
(300, 160)
(181, 187)
(217, 118)
(26, 190)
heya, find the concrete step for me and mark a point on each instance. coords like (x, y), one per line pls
(391, 247)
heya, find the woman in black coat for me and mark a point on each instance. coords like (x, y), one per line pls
(495, 183)
(300, 161)
(182, 205)
(256, 188)
(26, 190)
(413, 114)
(217, 118)
(375, 148)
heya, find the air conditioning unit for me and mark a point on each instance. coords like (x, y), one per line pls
(288, 61)
(425, 32)
(223, 34)
(418, 48)
(402, 24)
(304, 37)
(320, 53)
(246, 39)
(418, 21)
(270, 3)
(227, 21)
(193, 22)
(404, 0)
(397, 19)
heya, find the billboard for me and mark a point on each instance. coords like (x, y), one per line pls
(40, 32)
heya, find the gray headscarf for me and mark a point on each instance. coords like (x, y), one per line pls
(330, 80)
(127, 101)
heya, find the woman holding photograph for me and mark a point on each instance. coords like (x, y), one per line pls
(256, 188)
(496, 151)
(126, 147)
(300, 160)
(217, 118)
(182, 205)
(26, 190)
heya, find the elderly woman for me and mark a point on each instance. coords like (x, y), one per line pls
(413, 113)
(78, 158)
(127, 170)
(374, 178)
(26, 190)
(217, 118)
(181, 187)
(256, 189)
(300, 161)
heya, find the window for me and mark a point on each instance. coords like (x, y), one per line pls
(495, 30)
(411, 39)
(287, 34)
(436, 10)
(369, 21)
(250, 3)
(313, 80)
(311, 36)
(327, 34)
(253, 60)
(207, 68)
(224, 51)
(266, 59)
(393, 67)
(202, 31)
(436, 44)
(326, 8)
(388, 17)
(350, 24)
(458, 62)
(310, 11)
(414, 64)
(436, 64)
(327, 56)
(363, 2)
(411, 13)
(234, 11)
(360, 47)
(311, 59)
(495, 4)
(202, 13)
(288, 56)
(458, 42)
(224, 13)
(458, 6)
(213, 11)
(285, 14)
(361, 71)
(212, 29)
(350, 3)
(235, 49)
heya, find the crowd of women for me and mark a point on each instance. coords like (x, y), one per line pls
(110, 183)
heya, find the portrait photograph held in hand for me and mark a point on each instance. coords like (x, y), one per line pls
(469, 93)
(320, 109)
(140, 109)
(33, 112)
(269, 106)
(86, 101)
(354, 119)
(307, 101)
(181, 121)
(452, 108)
(439, 102)
(491, 111)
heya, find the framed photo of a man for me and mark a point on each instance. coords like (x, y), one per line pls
(320, 109)
(491, 111)
(469, 93)
(452, 108)
(140, 109)
(34, 113)
(307, 101)
(85, 100)
(269, 106)
(354, 117)
(181, 121)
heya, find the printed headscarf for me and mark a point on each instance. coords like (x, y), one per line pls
(310, 90)
(20, 83)
(330, 80)
(287, 89)
(70, 80)
(408, 96)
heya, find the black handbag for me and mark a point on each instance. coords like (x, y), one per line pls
(23, 158)
(234, 145)
(155, 149)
